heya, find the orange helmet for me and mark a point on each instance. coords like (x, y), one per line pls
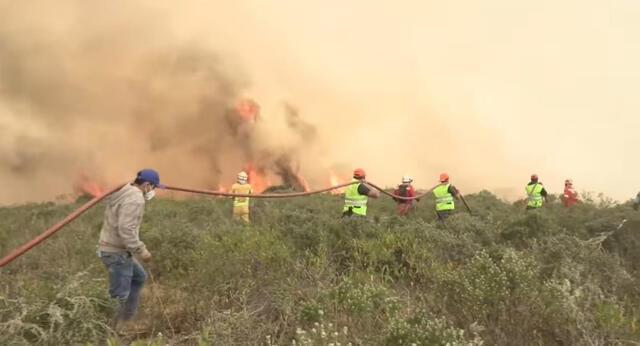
(444, 177)
(359, 173)
(534, 176)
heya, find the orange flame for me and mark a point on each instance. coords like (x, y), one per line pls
(334, 180)
(303, 182)
(248, 109)
(258, 182)
(85, 185)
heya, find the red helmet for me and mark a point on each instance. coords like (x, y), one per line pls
(444, 177)
(359, 173)
(534, 176)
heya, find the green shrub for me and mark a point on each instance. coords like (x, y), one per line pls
(502, 275)
(422, 328)
(76, 314)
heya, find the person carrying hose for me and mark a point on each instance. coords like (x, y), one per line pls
(445, 194)
(120, 243)
(405, 190)
(241, 204)
(356, 196)
(536, 194)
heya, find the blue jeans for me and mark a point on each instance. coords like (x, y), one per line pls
(126, 278)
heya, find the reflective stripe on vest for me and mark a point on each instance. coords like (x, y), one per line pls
(444, 200)
(534, 194)
(354, 200)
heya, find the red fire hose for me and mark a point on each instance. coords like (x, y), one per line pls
(289, 195)
(265, 195)
(55, 228)
(76, 213)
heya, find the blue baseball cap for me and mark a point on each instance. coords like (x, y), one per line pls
(150, 175)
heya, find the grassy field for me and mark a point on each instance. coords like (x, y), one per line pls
(301, 275)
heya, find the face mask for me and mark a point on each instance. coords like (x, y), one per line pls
(149, 194)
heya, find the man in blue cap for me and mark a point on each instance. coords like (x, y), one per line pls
(120, 242)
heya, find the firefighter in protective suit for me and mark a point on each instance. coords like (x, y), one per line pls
(405, 190)
(570, 196)
(241, 204)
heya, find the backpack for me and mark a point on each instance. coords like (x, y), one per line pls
(402, 190)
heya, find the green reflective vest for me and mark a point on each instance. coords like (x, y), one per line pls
(444, 200)
(534, 192)
(354, 200)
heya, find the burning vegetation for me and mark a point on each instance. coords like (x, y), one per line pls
(268, 168)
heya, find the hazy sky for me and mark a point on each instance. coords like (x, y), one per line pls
(489, 91)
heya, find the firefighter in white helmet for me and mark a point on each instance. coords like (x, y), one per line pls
(241, 204)
(405, 190)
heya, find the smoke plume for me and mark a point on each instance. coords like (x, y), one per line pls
(489, 92)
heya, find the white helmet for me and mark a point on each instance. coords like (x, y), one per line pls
(242, 177)
(406, 179)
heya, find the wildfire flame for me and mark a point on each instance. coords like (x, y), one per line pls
(303, 182)
(84, 184)
(334, 180)
(248, 109)
(258, 182)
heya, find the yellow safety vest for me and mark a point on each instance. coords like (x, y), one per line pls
(354, 200)
(534, 193)
(444, 200)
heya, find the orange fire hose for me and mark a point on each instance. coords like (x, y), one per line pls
(400, 197)
(289, 195)
(55, 228)
(265, 195)
(76, 213)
